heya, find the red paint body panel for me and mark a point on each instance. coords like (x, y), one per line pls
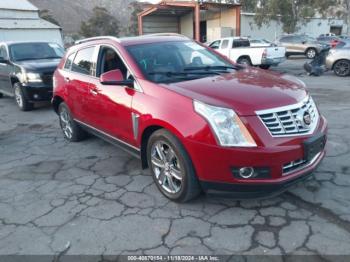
(110, 109)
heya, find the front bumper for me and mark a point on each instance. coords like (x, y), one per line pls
(273, 61)
(215, 165)
(37, 93)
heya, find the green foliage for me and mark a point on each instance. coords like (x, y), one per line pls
(289, 12)
(46, 15)
(101, 23)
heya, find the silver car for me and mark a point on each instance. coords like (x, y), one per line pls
(338, 59)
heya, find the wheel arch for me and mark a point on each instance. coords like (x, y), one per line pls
(244, 56)
(56, 101)
(340, 59)
(148, 131)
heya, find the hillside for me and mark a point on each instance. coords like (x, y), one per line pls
(70, 14)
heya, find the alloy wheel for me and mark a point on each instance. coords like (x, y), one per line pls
(166, 167)
(311, 53)
(342, 68)
(66, 123)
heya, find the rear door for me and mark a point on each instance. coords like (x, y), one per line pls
(78, 84)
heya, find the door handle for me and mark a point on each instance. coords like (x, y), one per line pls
(94, 92)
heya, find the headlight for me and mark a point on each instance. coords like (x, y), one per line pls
(228, 128)
(33, 77)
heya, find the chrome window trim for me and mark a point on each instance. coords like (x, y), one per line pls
(287, 108)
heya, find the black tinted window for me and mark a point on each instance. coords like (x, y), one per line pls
(240, 43)
(69, 61)
(83, 61)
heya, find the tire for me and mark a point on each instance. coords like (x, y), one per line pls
(71, 130)
(265, 67)
(244, 61)
(1, 95)
(21, 100)
(171, 167)
(311, 53)
(342, 68)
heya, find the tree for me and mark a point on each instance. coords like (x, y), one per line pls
(46, 15)
(289, 12)
(101, 23)
(136, 7)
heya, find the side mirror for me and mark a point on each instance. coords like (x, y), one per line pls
(115, 77)
(3, 60)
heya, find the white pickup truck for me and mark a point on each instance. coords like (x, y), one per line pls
(239, 50)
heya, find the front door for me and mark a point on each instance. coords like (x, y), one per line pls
(112, 103)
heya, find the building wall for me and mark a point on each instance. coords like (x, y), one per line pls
(186, 25)
(15, 14)
(50, 35)
(314, 27)
(221, 23)
(160, 24)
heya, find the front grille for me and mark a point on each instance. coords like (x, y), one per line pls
(47, 79)
(289, 120)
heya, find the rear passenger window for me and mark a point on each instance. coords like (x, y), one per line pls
(224, 44)
(69, 62)
(240, 43)
(83, 61)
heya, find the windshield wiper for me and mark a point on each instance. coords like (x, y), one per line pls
(208, 68)
(50, 57)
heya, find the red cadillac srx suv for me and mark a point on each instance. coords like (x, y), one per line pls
(196, 119)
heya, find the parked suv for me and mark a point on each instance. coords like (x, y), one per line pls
(26, 70)
(199, 121)
(301, 45)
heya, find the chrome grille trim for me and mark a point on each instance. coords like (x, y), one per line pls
(285, 121)
(297, 165)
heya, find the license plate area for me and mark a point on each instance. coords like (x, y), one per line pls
(313, 146)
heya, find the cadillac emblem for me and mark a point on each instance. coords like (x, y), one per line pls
(307, 118)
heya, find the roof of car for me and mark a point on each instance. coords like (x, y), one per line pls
(136, 40)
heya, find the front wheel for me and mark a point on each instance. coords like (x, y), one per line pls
(171, 167)
(311, 53)
(21, 100)
(244, 61)
(342, 68)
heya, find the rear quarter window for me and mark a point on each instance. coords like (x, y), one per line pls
(69, 62)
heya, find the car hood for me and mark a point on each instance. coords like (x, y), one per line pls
(40, 65)
(246, 91)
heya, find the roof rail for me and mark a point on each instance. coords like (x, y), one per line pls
(166, 34)
(96, 38)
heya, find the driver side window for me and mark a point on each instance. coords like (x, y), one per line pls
(215, 45)
(109, 60)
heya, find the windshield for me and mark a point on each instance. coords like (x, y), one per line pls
(177, 61)
(34, 51)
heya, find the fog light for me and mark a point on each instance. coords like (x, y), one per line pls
(246, 172)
